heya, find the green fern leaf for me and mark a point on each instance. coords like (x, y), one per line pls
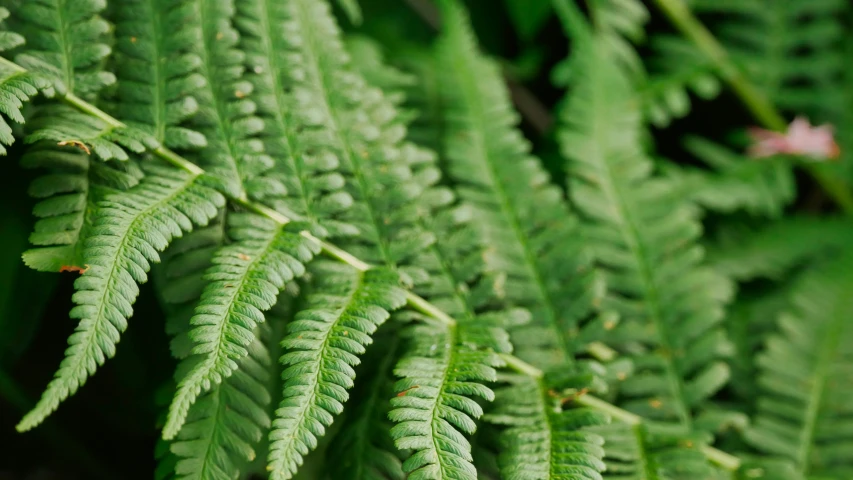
(797, 66)
(126, 235)
(245, 280)
(676, 69)
(544, 440)
(804, 410)
(157, 71)
(642, 452)
(323, 344)
(364, 449)
(736, 182)
(306, 162)
(16, 87)
(72, 62)
(777, 249)
(352, 10)
(227, 422)
(534, 249)
(442, 369)
(455, 282)
(366, 138)
(75, 184)
(227, 114)
(644, 240)
(68, 195)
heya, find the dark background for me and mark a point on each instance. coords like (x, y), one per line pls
(107, 430)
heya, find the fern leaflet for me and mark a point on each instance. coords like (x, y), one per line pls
(804, 413)
(245, 280)
(127, 234)
(644, 243)
(323, 344)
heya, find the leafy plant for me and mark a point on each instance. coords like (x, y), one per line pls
(372, 267)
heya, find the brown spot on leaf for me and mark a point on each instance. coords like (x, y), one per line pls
(74, 268)
(76, 143)
(404, 392)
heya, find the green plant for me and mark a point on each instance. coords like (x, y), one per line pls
(367, 273)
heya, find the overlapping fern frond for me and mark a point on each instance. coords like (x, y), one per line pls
(16, 87)
(226, 424)
(644, 241)
(760, 187)
(796, 66)
(531, 234)
(364, 447)
(804, 413)
(648, 452)
(547, 438)
(487, 158)
(75, 183)
(244, 282)
(323, 344)
(127, 233)
(295, 133)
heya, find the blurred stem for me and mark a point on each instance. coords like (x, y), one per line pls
(755, 100)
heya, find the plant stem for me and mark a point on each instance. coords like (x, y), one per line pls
(755, 100)
(414, 301)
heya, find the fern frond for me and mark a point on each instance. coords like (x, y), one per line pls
(804, 411)
(749, 321)
(352, 10)
(294, 134)
(676, 69)
(545, 439)
(441, 370)
(245, 280)
(323, 345)
(127, 234)
(644, 239)
(456, 283)
(534, 249)
(644, 452)
(364, 447)
(620, 23)
(17, 87)
(792, 50)
(68, 194)
(66, 127)
(226, 423)
(65, 43)
(773, 250)
(157, 70)
(180, 281)
(366, 138)
(227, 114)
(735, 182)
